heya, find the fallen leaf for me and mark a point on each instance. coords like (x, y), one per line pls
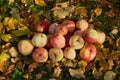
(118, 43)
(7, 37)
(57, 71)
(98, 11)
(10, 23)
(4, 61)
(111, 64)
(82, 64)
(1, 27)
(82, 11)
(78, 73)
(104, 64)
(40, 2)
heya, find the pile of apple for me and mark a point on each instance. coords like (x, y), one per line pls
(57, 40)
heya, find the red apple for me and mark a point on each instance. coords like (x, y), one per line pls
(40, 55)
(78, 32)
(41, 26)
(67, 38)
(88, 52)
(91, 35)
(49, 45)
(61, 29)
(25, 47)
(52, 28)
(70, 26)
(57, 41)
(82, 24)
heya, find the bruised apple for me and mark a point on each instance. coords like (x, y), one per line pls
(82, 24)
(69, 53)
(57, 41)
(76, 42)
(88, 52)
(91, 35)
(102, 37)
(70, 26)
(61, 29)
(40, 55)
(25, 47)
(55, 54)
(39, 40)
(41, 26)
(52, 28)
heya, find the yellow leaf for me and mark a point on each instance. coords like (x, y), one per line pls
(4, 61)
(27, 1)
(82, 64)
(104, 64)
(81, 10)
(1, 27)
(98, 11)
(40, 2)
(10, 23)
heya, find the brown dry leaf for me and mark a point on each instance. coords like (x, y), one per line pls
(82, 11)
(110, 13)
(90, 66)
(78, 73)
(118, 43)
(57, 71)
(97, 73)
(32, 66)
(111, 64)
(40, 2)
(104, 65)
(102, 54)
(82, 64)
(98, 11)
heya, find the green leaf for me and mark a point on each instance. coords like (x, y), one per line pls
(21, 32)
(17, 75)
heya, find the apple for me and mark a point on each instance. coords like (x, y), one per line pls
(40, 55)
(102, 37)
(82, 24)
(57, 41)
(25, 47)
(78, 32)
(52, 28)
(49, 45)
(61, 29)
(70, 25)
(76, 42)
(69, 53)
(88, 52)
(67, 38)
(41, 26)
(39, 40)
(91, 35)
(55, 54)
